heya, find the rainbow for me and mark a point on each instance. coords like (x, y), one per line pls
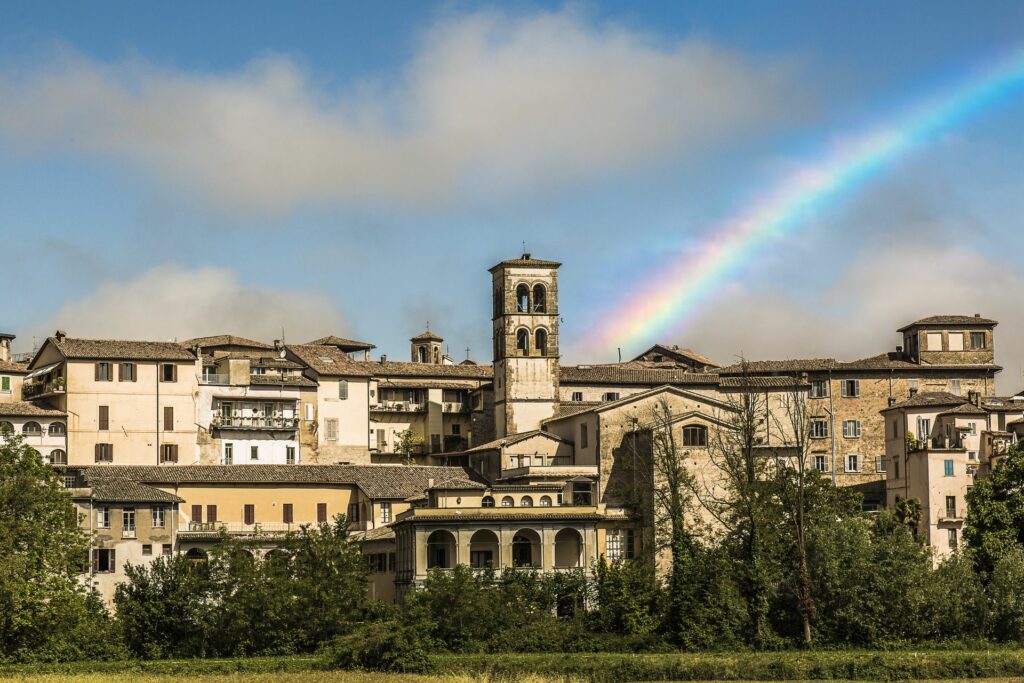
(667, 298)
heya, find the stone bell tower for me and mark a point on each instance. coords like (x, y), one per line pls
(427, 348)
(525, 328)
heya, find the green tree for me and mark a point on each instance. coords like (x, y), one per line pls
(407, 443)
(995, 511)
(45, 610)
(1006, 591)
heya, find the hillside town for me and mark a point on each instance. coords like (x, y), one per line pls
(167, 446)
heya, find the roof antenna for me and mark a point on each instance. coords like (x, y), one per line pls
(526, 254)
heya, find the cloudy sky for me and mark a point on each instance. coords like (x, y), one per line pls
(355, 168)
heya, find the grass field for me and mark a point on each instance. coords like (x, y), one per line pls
(324, 677)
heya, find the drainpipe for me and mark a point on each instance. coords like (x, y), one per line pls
(158, 414)
(832, 425)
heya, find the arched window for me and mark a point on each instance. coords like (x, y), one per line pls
(695, 435)
(6, 425)
(526, 548)
(540, 304)
(541, 341)
(526, 502)
(58, 457)
(32, 428)
(196, 556)
(523, 341)
(507, 502)
(423, 354)
(437, 356)
(57, 429)
(440, 550)
(545, 501)
(487, 502)
(522, 299)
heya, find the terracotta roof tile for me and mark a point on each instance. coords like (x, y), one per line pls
(11, 367)
(101, 349)
(927, 399)
(28, 409)
(426, 336)
(342, 343)
(933, 320)
(525, 261)
(330, 361)
(225, 340)
(632, 373)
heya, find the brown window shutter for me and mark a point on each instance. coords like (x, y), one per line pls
(96, 452)
(250, 514)
(211, 513)
(321, 513)
(197, 514)
(174, 372)
(113, 560)
(104, 417)
(96, 368)
(110, 452)
(174, 452)
(287, 513)
(120, 372)
(168, 418)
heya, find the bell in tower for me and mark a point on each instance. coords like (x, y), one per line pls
(427, 348)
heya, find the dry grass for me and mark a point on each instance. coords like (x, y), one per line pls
(333, 677)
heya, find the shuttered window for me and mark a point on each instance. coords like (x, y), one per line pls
(197, 514)
(104, 417)
(104, 452)
(126, 372)
(104, 372)
(211, 513)
(169, 452)
(332, 428)
(168, 418)
(321, 513)
(343, 389)
(287, 508)
(168, 372)
(250, 514)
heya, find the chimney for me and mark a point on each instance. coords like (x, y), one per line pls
(60, 335)
(974, 397)
(977, 315)
(277, 344)
(5, 347)
(899, 349)
(383, 358)
(526, 256)
(430, 482)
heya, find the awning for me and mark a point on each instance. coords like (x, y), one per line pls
(42, 371)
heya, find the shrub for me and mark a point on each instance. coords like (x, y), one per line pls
(380, 646)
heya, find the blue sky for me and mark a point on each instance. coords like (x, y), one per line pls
(188, 169)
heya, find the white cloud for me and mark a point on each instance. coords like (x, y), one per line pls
(171, 302)
(488, 104)
(858, 316)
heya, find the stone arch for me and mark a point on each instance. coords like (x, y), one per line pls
(540, 341)
(526, 549)
(540, 299)
(695, 435)
(568, 548)
(522, 298)
(526, 502)
(483, 549)
(523, 341)
(197, 556)
(507, 502)
(31, 428)
(57, 429)
(58, 457)
(441, 550)
(487, 502)
(545, 501)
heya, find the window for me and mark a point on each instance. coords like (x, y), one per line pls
(353, 512)
(545, 501)
(321, 513)
(582, 493)
(853, 463)
(58, 457)
(382, 441)
(104, 560)
(126, 372)
(104, 418)
(104, 373)
(168, 452)
(851, 388)
(522, 299)
(820, 463)
(526, 502)
(523, 341)
(168, 418)
(197, 514)
(977, 341)
(168, 372)
(956, 341)
(309, 411)
(286, 513)
(953, 544)
(332, 428)
(577, 395)
(211, 514)
(104, 452)
(254, 452)
(487, 502)
(5, 384)
(610, 396)
(619, 544)
(159, 513)
(128, 523)
(147, 549)
(456, 429)
(880, 464)
(954, 387)
(819, 429)
(583, 436)
(695, 435)
(166, 550)
(57, 429)
(70, 481)
(250, 513)
(103, 518)
(951, 507)
(924, 428)
(934, 341)
(385, 512)
(896, 468)
(229, 453)
(507, 502)
(895, 429)
(851, 429)
(32, 429)
(540, 341)
(540, 304)
(948, 468)
(819, 388)
(289, 455)
(343, 389)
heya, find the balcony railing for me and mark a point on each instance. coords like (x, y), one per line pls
(127, 533)
(31, 390)
(249, 422)
(242, 529)
(399, 407)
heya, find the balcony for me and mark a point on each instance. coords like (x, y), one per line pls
(32, 390)
(455, 408)
(950, 516)
(398, 407)
(254, 422)
(241, 529)
(127, 533)
(212, 378)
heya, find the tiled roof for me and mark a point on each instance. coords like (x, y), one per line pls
(882, 361)
(679, 352)
(10, 366)
(426, 336)
(376, 481)
(425, 383)
(964, 409)
(392, 368)
(329, 360)
(567, 408)
(514, 439)
(225, 340)
(949, 320)
(1003, 404)
(631, 373)
(287, 380)
(762, 382)
(341, 343)
(757, 367)
(927, 399)
(460, 484)
(381, 533)
(525, 261)
(116, 490)
(102, 349)
(28, 409)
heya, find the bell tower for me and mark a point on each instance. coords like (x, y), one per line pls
(525, 329)
(427, 348)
